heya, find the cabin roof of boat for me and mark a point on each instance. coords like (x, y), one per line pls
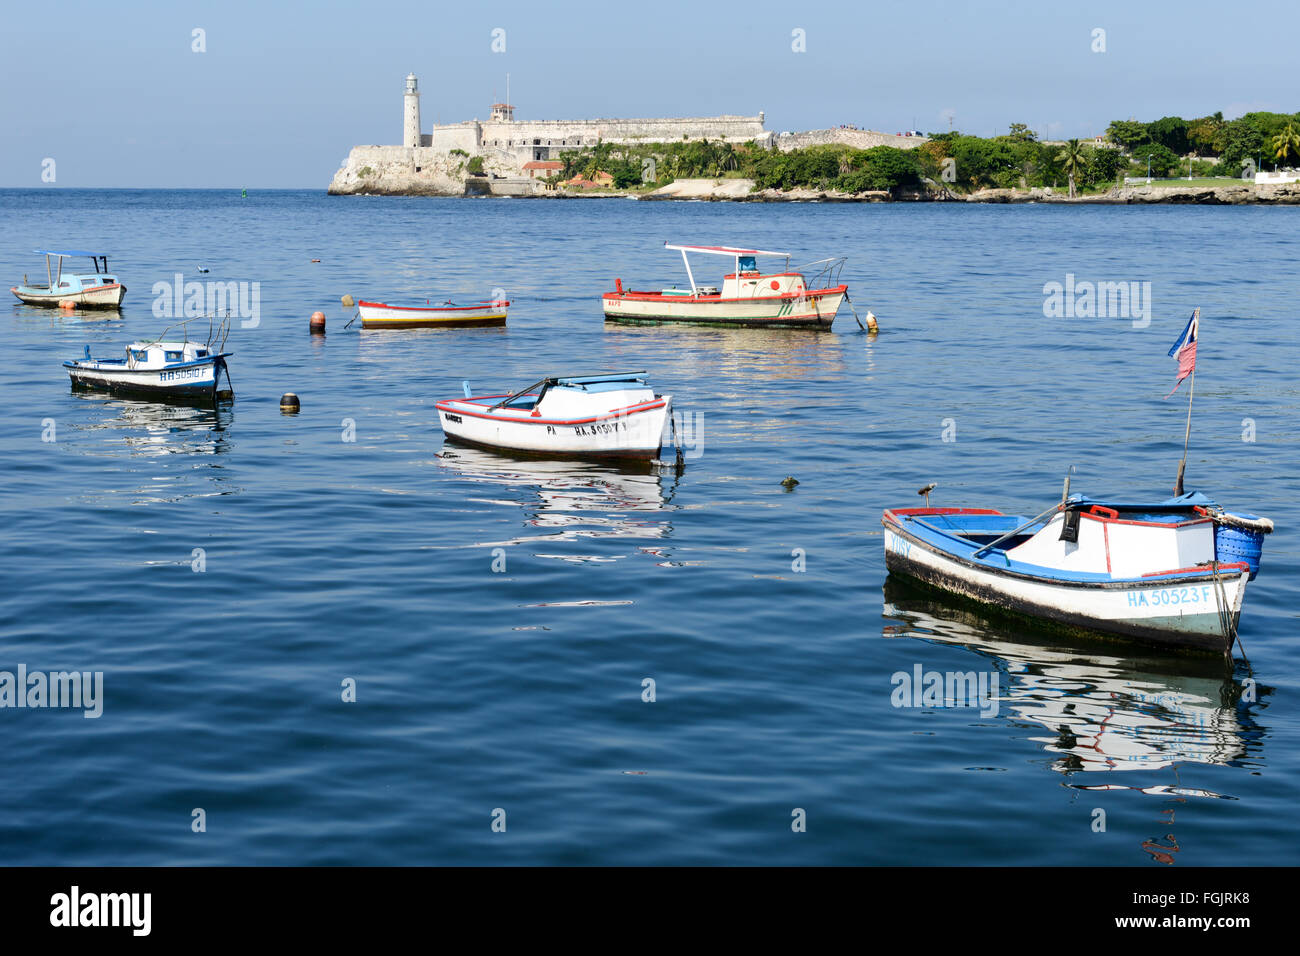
(1185, 502)
(168, 346)
(726, 251)
(597, 379)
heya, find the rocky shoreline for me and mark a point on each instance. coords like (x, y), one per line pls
(741, 190)
(396, 171)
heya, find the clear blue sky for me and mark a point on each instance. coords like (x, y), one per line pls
(114, 94)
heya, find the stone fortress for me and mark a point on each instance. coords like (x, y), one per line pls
(435, 163)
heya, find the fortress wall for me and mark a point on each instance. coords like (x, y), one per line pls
(572, 133)
(857, 138)
(459, 136)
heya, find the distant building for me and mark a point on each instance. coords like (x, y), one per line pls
(541, 168)
(543, 140)
(599, 180)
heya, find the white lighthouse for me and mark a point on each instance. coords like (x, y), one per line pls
(411, 112)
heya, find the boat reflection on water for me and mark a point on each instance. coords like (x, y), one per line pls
(572, 500)
(1103, 713)
(159, 428)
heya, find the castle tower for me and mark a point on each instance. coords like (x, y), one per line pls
(411, 112)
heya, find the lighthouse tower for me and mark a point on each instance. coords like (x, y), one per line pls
(411, 112)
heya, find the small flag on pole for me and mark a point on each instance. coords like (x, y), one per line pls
(1185, 349)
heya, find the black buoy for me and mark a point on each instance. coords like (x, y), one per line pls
(289, 403)
(789, 481)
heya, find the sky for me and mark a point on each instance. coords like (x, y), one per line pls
(120, 95)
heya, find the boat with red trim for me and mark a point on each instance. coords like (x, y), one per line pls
(1171, 573)
(748, 297)
(379, 315)
(614, 415)
(97, 289)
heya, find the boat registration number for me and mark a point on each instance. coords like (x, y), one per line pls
(592, 431)
(1167, 597)
(179, 374)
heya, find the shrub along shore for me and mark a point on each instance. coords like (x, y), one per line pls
(1221, 157)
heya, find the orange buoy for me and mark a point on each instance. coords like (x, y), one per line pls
(67, 304)
(318, 322)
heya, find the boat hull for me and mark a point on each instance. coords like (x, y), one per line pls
(376, 315)
(805, 310)
(1174, 611)
(100, 297)
(635, 433)
(194, 382)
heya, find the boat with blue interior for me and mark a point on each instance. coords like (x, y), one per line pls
(97, 288)
(614, 415)
(1171, 573)
(182, 371)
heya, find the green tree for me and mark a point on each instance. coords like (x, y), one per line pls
(1239, 141)
(1073, 159)
(1171, 133)
(1104, 165)
(1128, 133)
(1162, 159)
(1286, 145)
(1202, 133)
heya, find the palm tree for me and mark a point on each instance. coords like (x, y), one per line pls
(1286, 144)
(1073, 157)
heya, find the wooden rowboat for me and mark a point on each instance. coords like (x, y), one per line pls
(616, 415)
(378, 315)
(1170, 573)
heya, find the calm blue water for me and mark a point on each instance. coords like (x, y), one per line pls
(522, 690)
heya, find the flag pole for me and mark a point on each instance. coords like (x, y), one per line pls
(1191, 392)
(1182, 465)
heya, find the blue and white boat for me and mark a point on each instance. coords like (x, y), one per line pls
(1171, 573)
(616, 415)
(163, 371)
(98, 288)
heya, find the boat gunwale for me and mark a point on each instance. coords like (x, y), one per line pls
(486, 305)
(1085, 580)
(624, 412)
(632, 295)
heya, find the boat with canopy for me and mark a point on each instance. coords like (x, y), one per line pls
(749, 296)
(97, 288)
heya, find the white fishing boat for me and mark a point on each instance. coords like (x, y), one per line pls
(782, 299)
(616, 415)
(378, 315)
(1172, 573)
(162, 371)
(97, 289)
